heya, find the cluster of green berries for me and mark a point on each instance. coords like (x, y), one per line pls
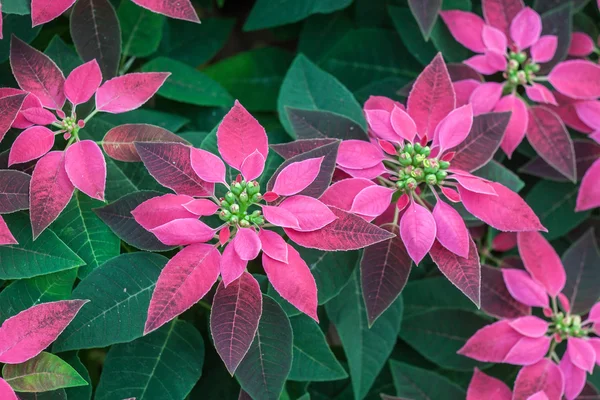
(235, 204)
(568, 326)
(520, 70)
(418, 168)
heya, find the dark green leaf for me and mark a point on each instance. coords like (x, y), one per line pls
(141, 29)
(411, 36)
(18, 25)
(21, 7)
(320, 33)
(421, 384)
(558, 22)
(431, 294)
(425, 12)
(63, 55)
(496, 172)
(80, 392)
(309, 124)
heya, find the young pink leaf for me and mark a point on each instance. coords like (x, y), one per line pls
(224, 235)
(6, 237)
(526, 28)
(504, 241)
(403, 124)
(6, 392)
(186, 278)
(25, 335)
(542, 376)
(474, 184)
(525, 289)
(432, 96)
(297, 176)
(451, 232)
(418, 230)
(82, 82)
(280, 217)
(232, 266)
(128, 92)
(589, 191)
(253, 166)
(574, 378)
(31, 144)
(207, 166)
(238, 135)
(247, 244)
(589, 113)
(517, 126)
(43, 11)
(358, 154)
(372, 201)
(454, 128)
(201, 207)
(293, 281)
(38, 116)
(179, 9)
(234, 318)
(485, 97)
(483, 386)
(540, 94)
(9, 111)
(491, 343)
(50, 191)
(310, 213)
(86, 168)
(273, 245)
(581, 45)
(581, 353)
(183, 231)
(388, 147)
(463, 272)
(494, 39)
(530, 326)
(451, 194)
(528, 351)
(381, 125)
(463, 90)
(466, 28)
(119, 142)
(35, 72)
(542, 261)
(342, 193)
(367, 173)
(486, 64)
(544, 49)
(578, 79)
(500, 13)
(162, 209)
(506, 212)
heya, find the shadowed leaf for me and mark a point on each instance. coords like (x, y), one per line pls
(421, 384)
(582, 264)
(118, 143)
(14, 191)
(308, 124)
(425, 13)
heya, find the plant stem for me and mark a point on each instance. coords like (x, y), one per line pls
(91, 115)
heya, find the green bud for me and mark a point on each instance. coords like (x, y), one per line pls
(444, 164)
(431, 179)
(237, 188)
(513, 65)
(244, 197)
(225, 215)
(244, 223)
(405, 159)
(418, 148)
(418, 159)
(252, 188)
(234, 208)
(417, 173)
(234, 219)
(256, 213)
(224, 203)
(535, 67)
(259, 220)
(577, 320)
(513, 79)
(408, 147)
(426, 151)
(411, 184)
(256, 198)
(230, 198)
(513, 55)
(441, 175)
(522, 77)
(521, 57)
(401, 174)
(408, 169)
(401, 184)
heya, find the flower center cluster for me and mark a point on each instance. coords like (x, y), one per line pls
(520, 70)
(234, 206)
(70, 125)
(417, 167)
(567, 326)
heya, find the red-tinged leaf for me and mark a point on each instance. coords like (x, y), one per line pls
(464, 273)
(234, 318)
(201, 207)
(526, 28)
(186, 278)
(384, 270)
(247, 244)
(293, 281)
(524, 289)
(582, 45)
(25, 335)
(581, 353)
(82, 82)
(297, 147)
(180, 9)
(372, 201)
(232, 266)
(551, 140)
(183, 231)
(297, 176)
(50, 191)
(207, 166)
(492, 342)
(119, 142)
(530, 326)
(466, 28)
(485, 97)
(273, 245)
(577, 79)
(96, 34)
(253, 166)
(359, 154)
(500, 13)
(128, 92)
(495, 297)
(43, 11)
(6, 237)
(38, 116)
(482, 142)
(347, 232)
(589, 191)
(14, 191)
(506, 212)
(573, 377)
(280, 217)
(425, 12)
(542, 261)
(451, 194)
(86, 168)
(342, 193)
(162, 209)
(542, 376)
(310, 213)
(9, 111)
(581, 262)
(31, 101)
(239, 135)
(432, 97)
(473, 183)
(35, 72)
(517, 126)
(454, 128)
(170, 165)
(418, 230)
(483, 386)
(528, 351)
(451, 231)
(6, 391)
(31, 144)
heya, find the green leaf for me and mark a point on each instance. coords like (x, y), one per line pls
(188, 85)
(411, 36)
(264, 369)
(165, 364)
(432, 294)
(42, 373)
(321, 32)
(63, 55)
(421, 384)
(79, 392)
(367, 349)
(168, 121)
(494, 171)
(253, 77)
(389, 87)
(18, 25)
(554, 204)
(85, 233)
(268, 13)
(21, 7)
(308, 87)
(119, 292)
(27, 259)
(313, 359)
(141, 29)
(25, 293)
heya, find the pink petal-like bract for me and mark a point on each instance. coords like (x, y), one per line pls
(491, 343)
(6, 392)
(463, 90)
(582, 45)
(506, 212)
(381, 103)
(403, 124)
(581, 353)
(25, 335)
(183, 231)
(542, 376)
(528, 350)
(32, 143)
(82, 82)
(530, 326)
(247, 244)
(589, 113)
(358, 154)
(239, 135)
(280, 217)
(451, 194)
(342, 193)
(432, 97)
(540, 93)
(517, 126)
(372, 201)
(224, 235)
(544, 49)
(186, 278)
(253, 166)
(526, 28)
(38, 116)
(454, 128)
(466, 28)
(524, 289)
(50, 191)
(589, 191)
(484, 64)
(542, 261)
(451, 232)
(43, 11)
(367, 173)
(500, 13)
(179, 9)
(418, 230)
(86, 168)
(35, 72)
(234, 318)
(207, 166)
(574, 378)
(273, 245)
(475, 184)
(310, 213)
(293, 281)
(201, 207)
(494, 39)
(504, 241)
(162, 209)
(295, 177)
(483, 386)
(538, 396)
(381, 125)
(128, 92)
(232, 266)
(578, 79)
(6, 237)
(485, 97)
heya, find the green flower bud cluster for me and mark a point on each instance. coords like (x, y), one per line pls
(235, 204)
(69, 124)
(418, 168)
(568, 326)
(520, 70)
